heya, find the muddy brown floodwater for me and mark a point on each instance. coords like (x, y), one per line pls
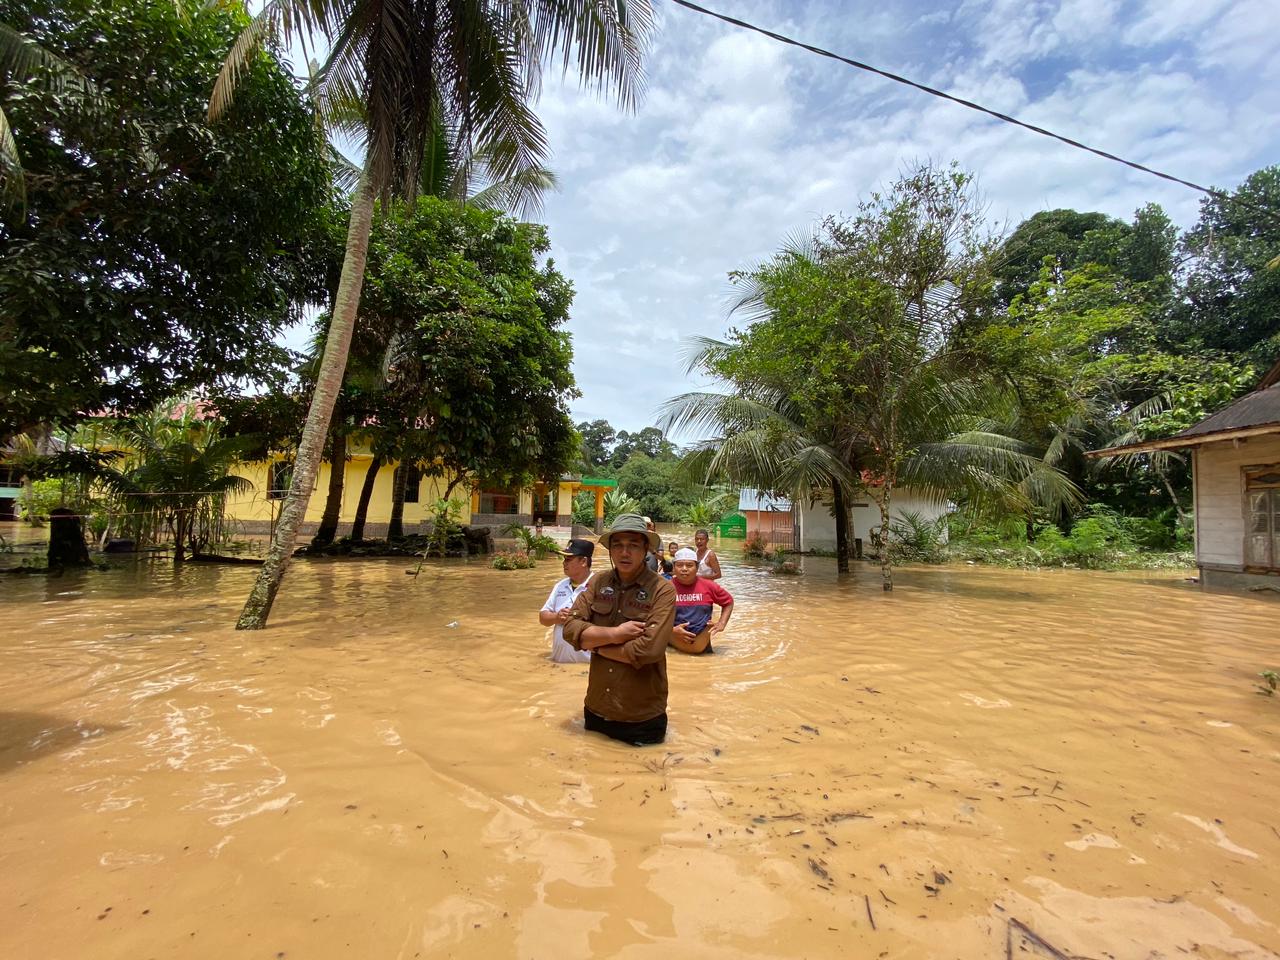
(394, 770)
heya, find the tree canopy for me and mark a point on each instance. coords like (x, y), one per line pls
(154, 253)
(853, 373)
(478, 362)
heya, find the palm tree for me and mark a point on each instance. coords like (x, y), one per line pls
(942, 449)
(181, 480)
(169, 471)
(617, 503)
(757, 441)
(413, 66)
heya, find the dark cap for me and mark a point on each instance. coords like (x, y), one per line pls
(579, 548)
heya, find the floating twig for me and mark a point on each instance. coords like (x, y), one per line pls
(1038, 940)
(713, 798)
(851, 815)
(870, 915)
(885, 897)
(819, 869)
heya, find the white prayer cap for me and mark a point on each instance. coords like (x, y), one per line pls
(685, 553)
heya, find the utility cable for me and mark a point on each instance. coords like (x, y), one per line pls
(933, 91)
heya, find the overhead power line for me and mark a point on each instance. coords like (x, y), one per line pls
(935, 92)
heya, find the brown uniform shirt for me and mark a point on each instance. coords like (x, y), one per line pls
(620, 691)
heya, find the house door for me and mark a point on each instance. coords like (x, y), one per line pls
(545, 500)
(1262, 503)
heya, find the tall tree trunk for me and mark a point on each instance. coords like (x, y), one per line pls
(399, 482)
(310, 450)
(886, 563)
(366, 494)
(841, 510)
(1173, 495)
(333, 503)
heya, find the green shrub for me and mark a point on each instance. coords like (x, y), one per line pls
(915, 539)
(541, 546)
(1052, 547)
(584, 508)
(753, 548)
(518, 560)
(782, 564)
(445, 525)
(1149, 533)
(37, 500)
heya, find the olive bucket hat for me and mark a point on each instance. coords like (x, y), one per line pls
(632, 523)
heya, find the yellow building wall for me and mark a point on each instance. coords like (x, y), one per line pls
(254, 505)
(564, 505)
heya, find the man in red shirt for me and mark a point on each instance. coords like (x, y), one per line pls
(695, 595)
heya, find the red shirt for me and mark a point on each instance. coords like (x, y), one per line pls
(693, 603)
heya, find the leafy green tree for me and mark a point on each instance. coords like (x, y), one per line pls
(1141, 252)
(404, 68)
(658, 486)
(167, 471)
(851, 374)
(1230, 299)
(153, 254)
(478, 362)
(1058, 234)
(1082, 353)
(649, 442)
(597, 443)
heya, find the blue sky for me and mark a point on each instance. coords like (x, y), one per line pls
(741, 141)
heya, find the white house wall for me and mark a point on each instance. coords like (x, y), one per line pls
(1219, 493)
(818, 526)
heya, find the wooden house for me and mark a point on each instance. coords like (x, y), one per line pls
(1235, 461)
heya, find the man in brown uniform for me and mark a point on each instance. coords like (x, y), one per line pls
(624, 618)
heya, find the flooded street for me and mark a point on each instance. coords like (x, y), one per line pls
(395, 770)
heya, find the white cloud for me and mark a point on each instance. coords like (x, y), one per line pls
(741, 141)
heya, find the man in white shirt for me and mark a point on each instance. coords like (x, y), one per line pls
(555, 612)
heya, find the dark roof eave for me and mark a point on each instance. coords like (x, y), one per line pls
(1180, 441)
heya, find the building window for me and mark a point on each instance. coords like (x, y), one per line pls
(1262, 515)
(500, 501)
(412, 482)
(278, 479)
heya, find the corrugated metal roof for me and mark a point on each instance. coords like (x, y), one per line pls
(749, 499)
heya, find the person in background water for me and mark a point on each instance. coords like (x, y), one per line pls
(624, 617)
(672, 547)
(555, 612)
(708, 562)
(653, 559)
(693, 628)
